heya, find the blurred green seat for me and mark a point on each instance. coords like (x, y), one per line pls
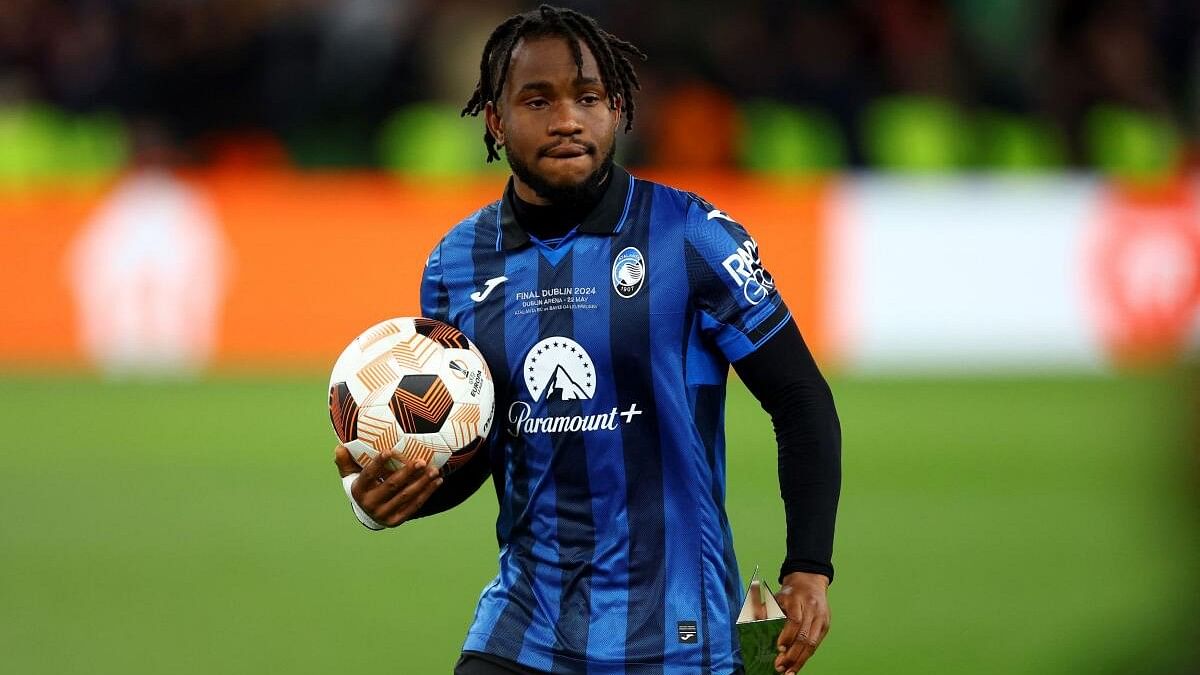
(39, 142)
(1130, 144)
(432, 140)
(776, 138)
(917, 134)
(1017, 144)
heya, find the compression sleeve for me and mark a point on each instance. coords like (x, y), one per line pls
(785, 379)
(458, 486)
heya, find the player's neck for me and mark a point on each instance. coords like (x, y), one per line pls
(550, 220)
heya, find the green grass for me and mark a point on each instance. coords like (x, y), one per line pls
(987, 526)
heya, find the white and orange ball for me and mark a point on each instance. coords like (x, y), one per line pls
(415, 386)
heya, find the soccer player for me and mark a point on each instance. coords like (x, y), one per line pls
(609, 309)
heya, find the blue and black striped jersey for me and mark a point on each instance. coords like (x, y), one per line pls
(609, 349)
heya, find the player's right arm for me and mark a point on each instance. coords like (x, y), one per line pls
(467, 479)
(382, 499)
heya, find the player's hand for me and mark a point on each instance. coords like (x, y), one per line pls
(388, 497)
(804, 599)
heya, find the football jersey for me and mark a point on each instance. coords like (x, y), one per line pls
(609, 350)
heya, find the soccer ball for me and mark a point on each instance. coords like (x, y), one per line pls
(415, 386)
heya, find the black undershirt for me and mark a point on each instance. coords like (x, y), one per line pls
(784, 378)
(552, 221)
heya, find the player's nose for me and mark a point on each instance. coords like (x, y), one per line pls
(564, 121)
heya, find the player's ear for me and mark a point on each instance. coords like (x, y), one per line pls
(491, 117)
(618, 106)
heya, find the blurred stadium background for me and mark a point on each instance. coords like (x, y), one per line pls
(983, 212)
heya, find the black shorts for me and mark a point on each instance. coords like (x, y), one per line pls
(475, 663)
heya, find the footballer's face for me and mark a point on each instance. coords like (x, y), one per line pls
(556, 125)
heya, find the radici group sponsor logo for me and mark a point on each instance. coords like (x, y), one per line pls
(747, 271)
(559, 369)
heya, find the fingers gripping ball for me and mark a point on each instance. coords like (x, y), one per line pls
(415, 386)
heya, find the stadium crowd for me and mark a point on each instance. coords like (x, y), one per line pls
(763, 84)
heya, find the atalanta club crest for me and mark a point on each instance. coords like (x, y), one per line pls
(628, 272)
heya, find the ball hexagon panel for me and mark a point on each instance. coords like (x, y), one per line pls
(444, 334)
(377, 333)
(343, 411)
(413, 448)
(421, 404)
(416, 354)
(377, 372)
(462, 425)
(460, 457)
(346, 370)
(377, 427)
(361, 451)
(378, 340)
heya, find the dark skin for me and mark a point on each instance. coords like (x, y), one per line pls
(556, 119)
(560, 122)
(804, 598)
(388, 496)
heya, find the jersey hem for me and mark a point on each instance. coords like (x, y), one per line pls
(590, 664)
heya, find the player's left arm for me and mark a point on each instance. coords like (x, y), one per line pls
(784, 377)
(743, 313)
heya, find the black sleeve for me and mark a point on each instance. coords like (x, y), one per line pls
(458, 486)
(785, 379)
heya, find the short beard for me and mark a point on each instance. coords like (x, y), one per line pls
(567, 196)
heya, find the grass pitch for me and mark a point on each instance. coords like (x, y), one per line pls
(987, 526)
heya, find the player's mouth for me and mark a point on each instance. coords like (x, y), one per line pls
(567, 151)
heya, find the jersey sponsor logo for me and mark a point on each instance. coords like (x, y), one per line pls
(746, 270)
(687, 632)
(480, 296)
(560, 369)
(522, 421)
(628, 272)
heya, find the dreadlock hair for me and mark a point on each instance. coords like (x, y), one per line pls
(612, 56)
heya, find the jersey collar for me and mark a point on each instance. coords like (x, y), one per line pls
(606, 218)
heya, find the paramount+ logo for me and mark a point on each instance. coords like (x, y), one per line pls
(560, 369)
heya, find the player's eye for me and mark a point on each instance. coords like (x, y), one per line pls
(590, 99)
(536, 103)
